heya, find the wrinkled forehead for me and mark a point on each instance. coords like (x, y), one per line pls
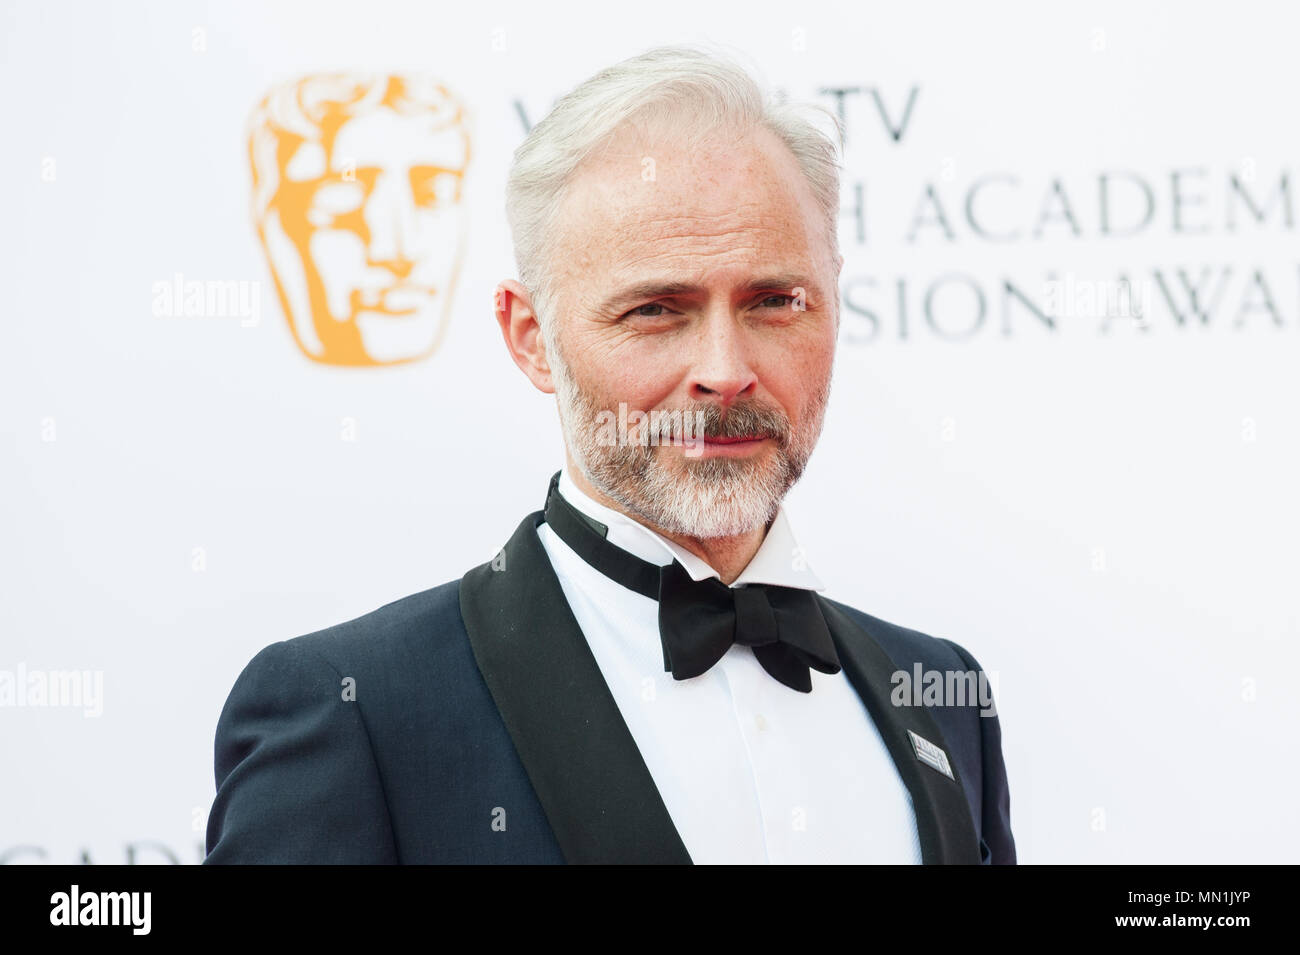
(646, 194)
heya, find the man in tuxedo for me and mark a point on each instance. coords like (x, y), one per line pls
(646, 671)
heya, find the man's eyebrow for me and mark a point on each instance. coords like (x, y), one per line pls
(657, 289)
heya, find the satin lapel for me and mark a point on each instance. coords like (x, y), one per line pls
(594, 787)
(943, 817)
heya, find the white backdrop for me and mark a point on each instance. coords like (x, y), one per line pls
(1103, 511)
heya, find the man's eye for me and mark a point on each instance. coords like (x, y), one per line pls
(782, 301)
(640, 314)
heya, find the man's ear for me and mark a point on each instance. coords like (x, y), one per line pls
(513, 305)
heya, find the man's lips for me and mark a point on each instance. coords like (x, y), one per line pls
(720, 439)
(738, 446)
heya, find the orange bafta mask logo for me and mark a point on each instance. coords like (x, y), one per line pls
(358, 199)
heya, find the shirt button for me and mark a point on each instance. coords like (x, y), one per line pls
(760, 722)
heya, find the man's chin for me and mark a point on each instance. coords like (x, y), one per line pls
(729, 490)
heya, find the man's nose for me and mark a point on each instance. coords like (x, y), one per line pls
(723, 371)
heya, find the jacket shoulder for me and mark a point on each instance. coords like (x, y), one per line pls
(906, 646)
(300, 746)
(402, 630)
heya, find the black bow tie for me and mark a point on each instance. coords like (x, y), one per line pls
(699, 620)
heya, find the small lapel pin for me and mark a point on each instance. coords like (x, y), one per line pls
(931, 755)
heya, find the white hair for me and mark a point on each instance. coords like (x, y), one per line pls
(702, 91)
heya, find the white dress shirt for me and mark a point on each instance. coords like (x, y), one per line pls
(750, 770)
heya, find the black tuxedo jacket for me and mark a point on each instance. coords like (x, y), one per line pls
(470, 723)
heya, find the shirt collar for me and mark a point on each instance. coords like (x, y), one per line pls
(779, 559)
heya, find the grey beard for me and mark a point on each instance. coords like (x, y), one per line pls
(709, 497)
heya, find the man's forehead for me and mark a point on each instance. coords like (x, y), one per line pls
(649, 170)
(644, 199)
